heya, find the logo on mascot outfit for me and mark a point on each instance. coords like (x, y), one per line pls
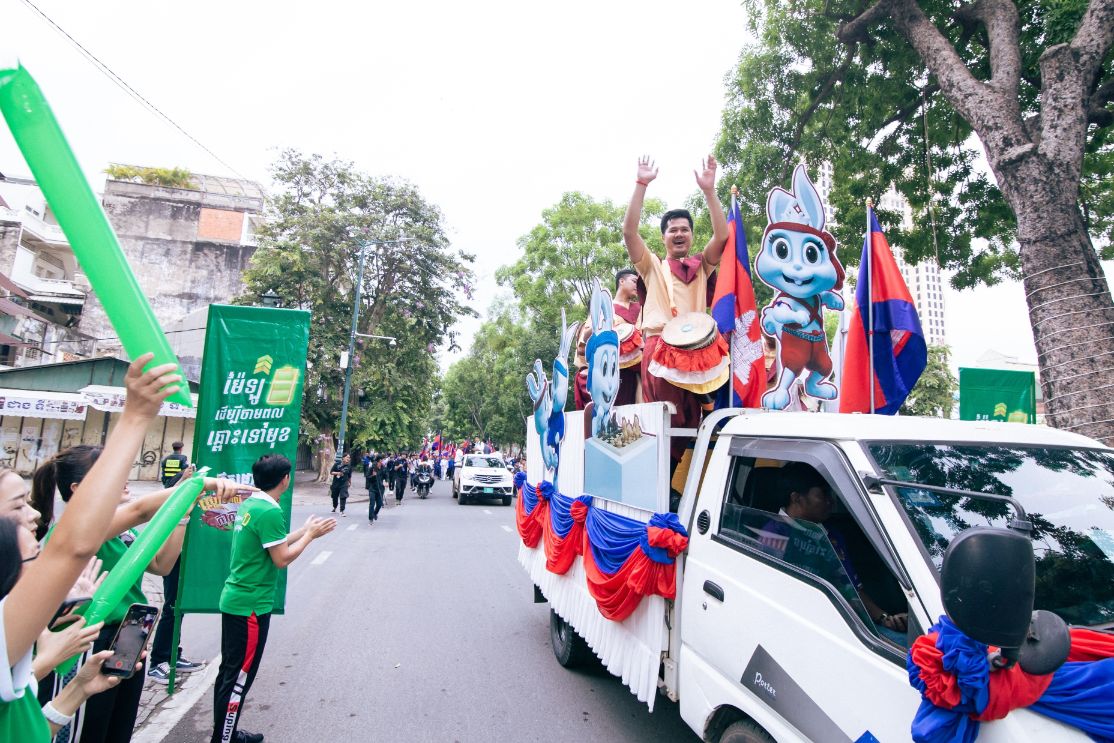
(798, 261)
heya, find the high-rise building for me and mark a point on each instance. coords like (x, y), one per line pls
(923, 279)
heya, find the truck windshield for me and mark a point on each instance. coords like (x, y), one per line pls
(1068, 494)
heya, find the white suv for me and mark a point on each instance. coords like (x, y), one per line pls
(483, 476)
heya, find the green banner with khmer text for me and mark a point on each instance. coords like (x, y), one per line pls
(250, 404)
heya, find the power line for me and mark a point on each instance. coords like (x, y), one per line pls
(119, 81)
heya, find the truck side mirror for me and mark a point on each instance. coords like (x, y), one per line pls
(988, 584)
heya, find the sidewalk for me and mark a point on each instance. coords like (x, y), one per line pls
(158, 711)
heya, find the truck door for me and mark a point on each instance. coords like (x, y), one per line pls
(782, 616)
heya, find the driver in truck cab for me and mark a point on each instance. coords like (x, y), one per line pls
(806, 495)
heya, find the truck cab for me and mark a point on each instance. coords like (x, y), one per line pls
(777, 620)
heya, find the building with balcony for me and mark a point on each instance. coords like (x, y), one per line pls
(188, 248)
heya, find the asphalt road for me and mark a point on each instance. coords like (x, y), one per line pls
(421, 628)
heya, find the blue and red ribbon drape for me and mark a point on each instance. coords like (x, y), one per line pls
(624, 559)
(958, 689)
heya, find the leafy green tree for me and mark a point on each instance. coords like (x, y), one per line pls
(934, 393)
(579, 240)
(484, 394)
(919, 93)
(323, 213)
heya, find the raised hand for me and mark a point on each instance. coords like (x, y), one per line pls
(647, 170)
(54, 647)
(706, 176)
(89, 581)
(147, 390)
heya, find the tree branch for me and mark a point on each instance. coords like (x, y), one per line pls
(1093, 37)
(825, 90)
(902, 115)
(858, 29)
(1002, 28)
(971, 98)
(1097, 112)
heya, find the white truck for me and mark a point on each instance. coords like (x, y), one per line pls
(767, 643)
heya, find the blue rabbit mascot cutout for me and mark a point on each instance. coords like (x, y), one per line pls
(549, 401)
(602, 352)
(798, 261)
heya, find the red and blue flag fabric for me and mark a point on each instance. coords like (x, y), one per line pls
(436, 446)
(959, 689)
(624, 559)
(736, 314)
(900, 352)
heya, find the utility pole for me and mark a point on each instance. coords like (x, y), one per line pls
(343, 432)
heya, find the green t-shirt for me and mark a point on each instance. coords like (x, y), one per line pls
(253, 577)
(21, 717)
(110, 554)
(22, 720)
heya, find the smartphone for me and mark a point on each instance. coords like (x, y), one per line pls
(65, 614)
(130, 640)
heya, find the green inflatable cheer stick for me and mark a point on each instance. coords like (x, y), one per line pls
(139, 555)
(81, 217)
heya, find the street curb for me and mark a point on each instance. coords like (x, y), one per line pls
(175, 708)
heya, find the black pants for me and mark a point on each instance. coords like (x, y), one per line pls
(400, 487)
(242, 641)
(375, 502)
(164, 632)
(341, 495)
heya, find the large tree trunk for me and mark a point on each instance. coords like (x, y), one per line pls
(1070, 309)
(326, 455)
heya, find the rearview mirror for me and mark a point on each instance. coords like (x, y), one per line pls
(988, 583)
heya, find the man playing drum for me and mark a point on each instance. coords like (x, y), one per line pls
(682, 284)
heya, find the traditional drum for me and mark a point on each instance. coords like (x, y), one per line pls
(692, 354)
(630, 345)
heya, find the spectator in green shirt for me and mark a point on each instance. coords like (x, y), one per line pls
(43, 580)
(260, 547)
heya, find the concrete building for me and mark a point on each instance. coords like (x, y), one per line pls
(187, 247)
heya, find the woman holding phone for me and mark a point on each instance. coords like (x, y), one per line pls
(41, 582)
(111, 716)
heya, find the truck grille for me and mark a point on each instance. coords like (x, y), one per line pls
(488, 479)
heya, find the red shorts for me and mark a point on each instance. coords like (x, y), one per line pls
(798, 354)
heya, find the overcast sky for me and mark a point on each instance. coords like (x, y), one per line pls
(492, 108)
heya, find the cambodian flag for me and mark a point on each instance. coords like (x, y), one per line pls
(436, 443)
(900, 353)
(736, 314)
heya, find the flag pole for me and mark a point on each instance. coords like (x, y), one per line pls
(734, 310)
(870, 305)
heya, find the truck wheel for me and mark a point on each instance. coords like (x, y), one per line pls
(506, 500)
(745, 731)
(568, 647)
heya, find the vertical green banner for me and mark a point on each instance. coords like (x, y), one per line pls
(250, 404)
(997, 395)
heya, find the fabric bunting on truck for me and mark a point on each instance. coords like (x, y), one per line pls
(624, 559)
(952, 673)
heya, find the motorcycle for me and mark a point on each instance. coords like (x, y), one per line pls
(424, 481)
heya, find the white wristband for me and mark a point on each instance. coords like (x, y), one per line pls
(55, 716)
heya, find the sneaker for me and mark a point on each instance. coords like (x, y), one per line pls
(243, 736)
(334, 510)
(160, 673)
(188, 666)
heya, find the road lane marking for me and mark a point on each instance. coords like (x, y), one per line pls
(351, 528)
(321, 558)
(506, 528)
(487, 512)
